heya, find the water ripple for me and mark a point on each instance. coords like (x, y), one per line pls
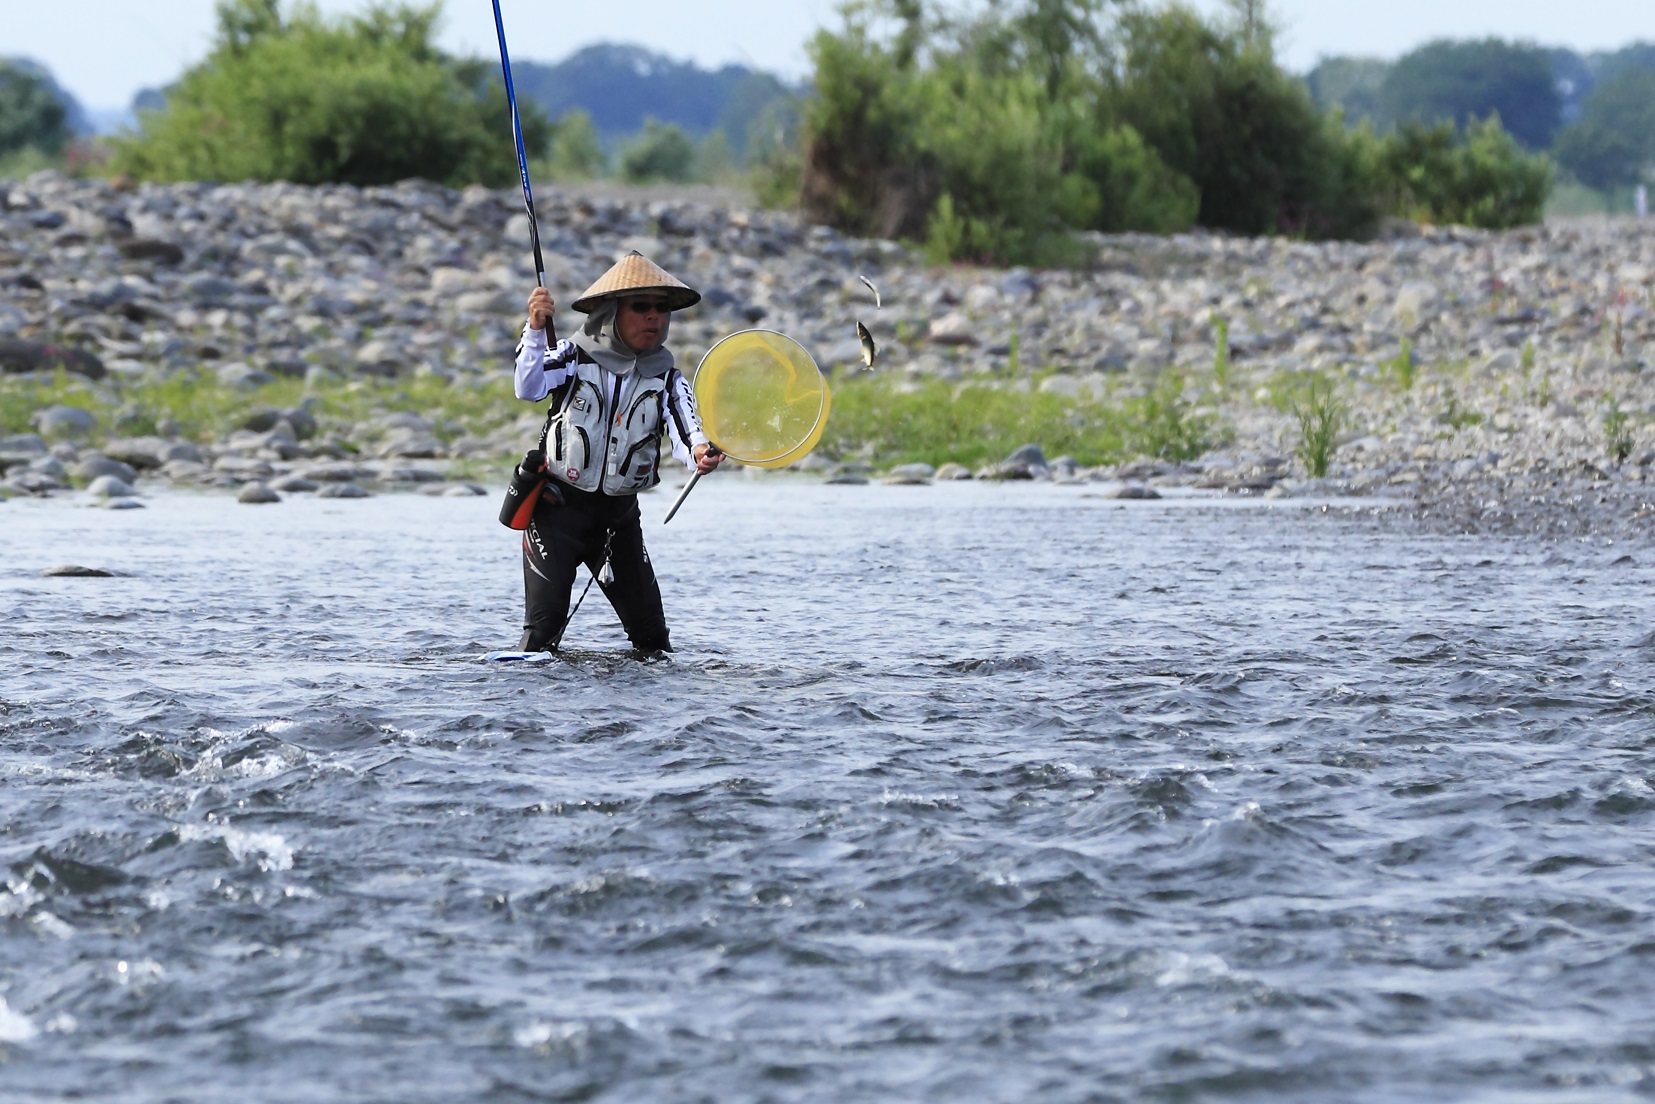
(998, 794)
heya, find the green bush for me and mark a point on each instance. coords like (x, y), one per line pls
(574, 151)
(661, 151)
(31, 114)
(983, 144)
(1221, 112)
(1482, 178)
(364, 100)
(1136, 190)
(860, 169)
(997, 164)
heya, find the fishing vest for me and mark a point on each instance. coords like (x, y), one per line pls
(590, 444)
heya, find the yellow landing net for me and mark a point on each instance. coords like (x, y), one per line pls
(761, 398)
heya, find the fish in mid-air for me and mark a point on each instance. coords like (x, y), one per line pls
(877, 304)
(869, 349)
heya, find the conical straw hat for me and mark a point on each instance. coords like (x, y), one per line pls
(634, 273)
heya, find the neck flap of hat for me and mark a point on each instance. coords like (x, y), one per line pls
(598, 337)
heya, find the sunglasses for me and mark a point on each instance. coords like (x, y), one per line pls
(648, 306)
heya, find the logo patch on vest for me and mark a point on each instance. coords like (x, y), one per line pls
(572, 474)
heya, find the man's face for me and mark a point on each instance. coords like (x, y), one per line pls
(640, 320)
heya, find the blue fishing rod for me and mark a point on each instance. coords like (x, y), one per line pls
(522, 157)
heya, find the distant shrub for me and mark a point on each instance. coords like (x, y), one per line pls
(31, 114)
(1136, 190)
(1481, 178)
(970, 145)
(1612, 145)
(1222, 113)
(660, 152)
(364, 100)
(574, 152)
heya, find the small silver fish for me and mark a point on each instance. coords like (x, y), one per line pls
(869, 349)
(877, 304)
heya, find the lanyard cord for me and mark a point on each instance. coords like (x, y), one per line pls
(604, 570)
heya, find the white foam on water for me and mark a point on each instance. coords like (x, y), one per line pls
(14, 1026)
(539, 1034)
(137, 973)
(52, 925)
(19, 898)
(1182, 969)
(921, 801)
(272, 851)
(261, 766)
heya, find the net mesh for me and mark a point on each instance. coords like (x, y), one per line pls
(761, 398)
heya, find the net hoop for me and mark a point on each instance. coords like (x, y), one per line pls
(761, 397)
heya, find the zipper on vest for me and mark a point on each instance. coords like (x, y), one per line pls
(609, 433)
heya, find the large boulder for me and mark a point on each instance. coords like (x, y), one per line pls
(94, 466)
(18, 355)
(953, 328)
(150, 249)
(64, 421)
(1416, 303)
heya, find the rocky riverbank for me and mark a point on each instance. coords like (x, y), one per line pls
(1495, 380)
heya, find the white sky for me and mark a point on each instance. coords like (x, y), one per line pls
(105, 51)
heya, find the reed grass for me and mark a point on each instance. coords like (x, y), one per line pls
(1223, 370)
(1617, 429)
(1321, 417)
(1402, 369)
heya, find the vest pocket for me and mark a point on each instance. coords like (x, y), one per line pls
(626, 464)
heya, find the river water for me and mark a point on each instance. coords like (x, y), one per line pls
(956, 793)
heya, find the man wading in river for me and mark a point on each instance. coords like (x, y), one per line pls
(614, 392)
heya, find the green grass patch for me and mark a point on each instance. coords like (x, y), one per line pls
(196, 406)
(1402, 369)
(889, 421)
(1456, 415)
(880, 418)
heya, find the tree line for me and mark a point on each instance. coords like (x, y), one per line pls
(993, 131)
(1595, 114)
(996, 133)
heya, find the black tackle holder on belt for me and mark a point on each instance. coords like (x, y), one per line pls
(528, 479)
(523, 495)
